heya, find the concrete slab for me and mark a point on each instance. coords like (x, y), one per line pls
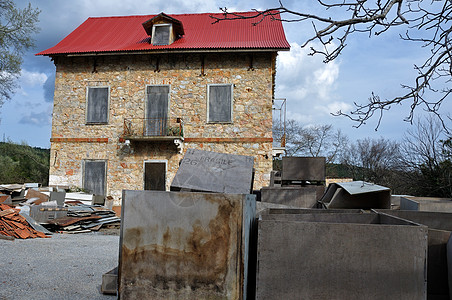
(437, 270)
(434, 220)
(59, 197)
(185, 245)
(275, 210)
(110, 282)
(439, 231)
(449, 264)
(328, 259)
(303, 168)
(301, 196)
(426, 204)
(357, 194)
(206, 171)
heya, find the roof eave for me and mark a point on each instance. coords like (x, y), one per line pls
(164, 51)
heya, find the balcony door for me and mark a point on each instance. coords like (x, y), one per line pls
(156, 110)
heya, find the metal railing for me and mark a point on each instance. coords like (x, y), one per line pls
(279, 122)
(148, 127)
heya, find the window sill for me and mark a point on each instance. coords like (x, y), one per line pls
(230, 122)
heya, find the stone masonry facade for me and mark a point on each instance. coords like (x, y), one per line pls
(188, 76)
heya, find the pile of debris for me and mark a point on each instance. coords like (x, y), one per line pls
(13, 225)
(76, 218)
(55, 210)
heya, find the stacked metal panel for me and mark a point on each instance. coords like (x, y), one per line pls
(340, 256)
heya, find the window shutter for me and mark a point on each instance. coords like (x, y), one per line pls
(220, 103)
(97, 110)
(94, 177)
(161, 35)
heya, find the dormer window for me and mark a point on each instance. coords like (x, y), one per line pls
(163, 29)
(161, 34)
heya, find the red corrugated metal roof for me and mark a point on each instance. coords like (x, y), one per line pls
(113, 34)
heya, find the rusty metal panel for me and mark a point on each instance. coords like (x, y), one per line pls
(303, 168)
(184, 245)
(43, 215)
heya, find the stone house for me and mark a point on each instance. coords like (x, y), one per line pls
(133, 93)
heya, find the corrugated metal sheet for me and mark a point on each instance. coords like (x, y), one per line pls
(113, 34)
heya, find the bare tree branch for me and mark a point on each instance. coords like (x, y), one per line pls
(428, 23)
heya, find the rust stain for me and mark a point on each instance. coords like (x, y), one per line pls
(197, 270)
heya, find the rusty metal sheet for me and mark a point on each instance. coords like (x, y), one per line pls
(184, 245)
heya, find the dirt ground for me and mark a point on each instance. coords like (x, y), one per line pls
(65, 266)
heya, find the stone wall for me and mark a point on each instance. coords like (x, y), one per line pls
(188, 76)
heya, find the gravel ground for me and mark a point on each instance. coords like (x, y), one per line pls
(62, 267)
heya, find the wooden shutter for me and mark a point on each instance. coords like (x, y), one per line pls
(220, 103)
(161, 35)
(94, 177)
(97, 108)
(157, 110)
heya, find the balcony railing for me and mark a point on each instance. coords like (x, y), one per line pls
(147, 128)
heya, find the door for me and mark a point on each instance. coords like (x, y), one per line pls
(156, 110)
(94, 176)
(155, 176)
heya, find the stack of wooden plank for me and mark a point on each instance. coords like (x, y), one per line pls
(13, 225)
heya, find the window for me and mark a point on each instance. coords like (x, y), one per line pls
(94, 176)
(97, 105)
(219, 107)
(161, 34)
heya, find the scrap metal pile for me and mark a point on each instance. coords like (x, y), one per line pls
(29, 212)
(81, 217)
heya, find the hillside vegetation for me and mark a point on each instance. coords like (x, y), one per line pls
(22, 163)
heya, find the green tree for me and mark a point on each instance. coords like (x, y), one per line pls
(22, 163)
(17, 27)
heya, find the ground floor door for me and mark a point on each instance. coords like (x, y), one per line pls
(94, 176)
(155, 176)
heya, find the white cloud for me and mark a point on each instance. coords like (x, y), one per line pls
(334, 107)
(28, 78)
(40, 119)
(308, 84)
(121, 7)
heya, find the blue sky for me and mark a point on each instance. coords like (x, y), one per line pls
(313, 89)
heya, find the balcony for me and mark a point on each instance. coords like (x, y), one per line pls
(154, 130)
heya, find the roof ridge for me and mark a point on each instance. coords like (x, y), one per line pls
(171, 14)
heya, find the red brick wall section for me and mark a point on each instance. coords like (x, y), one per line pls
(78, 140)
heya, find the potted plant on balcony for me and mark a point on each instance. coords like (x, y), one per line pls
(174, 131)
